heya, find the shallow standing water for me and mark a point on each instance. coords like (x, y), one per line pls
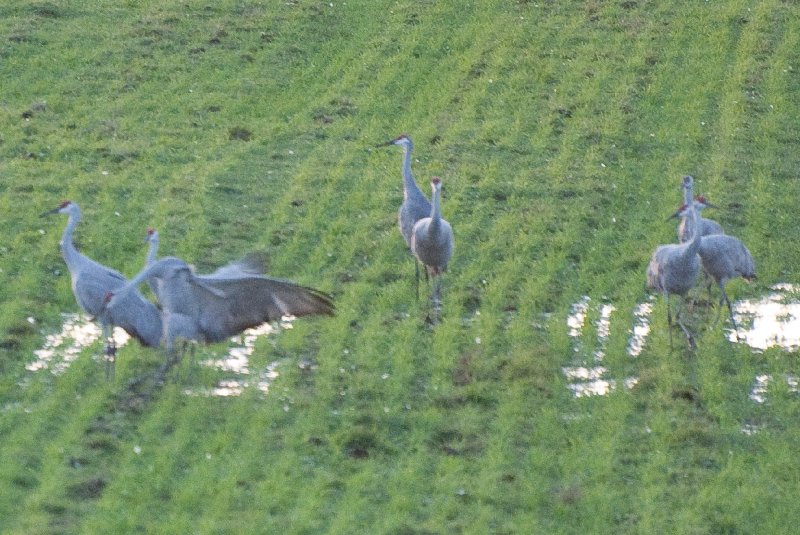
(78, 332)
(771, 321)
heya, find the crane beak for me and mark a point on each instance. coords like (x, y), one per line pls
(709, 205)
(49, 212)
(385, 144)
(675, 215)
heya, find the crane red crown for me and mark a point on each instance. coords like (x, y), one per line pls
(64, 203)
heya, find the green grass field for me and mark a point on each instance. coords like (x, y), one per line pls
(561, 131)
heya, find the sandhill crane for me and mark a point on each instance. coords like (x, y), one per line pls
(673, 268)
(707, 226)
(91, 281)
(725, 257)
(212, 308)
(432, 241)
(415, 205)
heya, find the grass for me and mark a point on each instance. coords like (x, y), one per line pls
(560, 130)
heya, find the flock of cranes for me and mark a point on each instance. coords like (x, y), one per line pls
(674, 267)
(213, 307)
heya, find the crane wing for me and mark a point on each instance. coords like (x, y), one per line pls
(252, 264)
(248, 301)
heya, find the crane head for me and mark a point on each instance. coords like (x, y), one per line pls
(152, 234)
(687, 181)
(62, 208)
(436, 181)
(402, 139)
(701, 202)
(680, 213)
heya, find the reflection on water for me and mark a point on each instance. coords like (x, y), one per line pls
(60, 349)
(235, 386)
(78, 332)
(237, 360)
(641, 327)
(759, 391)
(591, 380)
(772, 321)
(578, 316)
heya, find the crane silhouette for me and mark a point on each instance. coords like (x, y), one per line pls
(415, 205)
(725, 257)
(91, 281)
(673, 267)
(212, 308)
(432, 241)
(707, 226)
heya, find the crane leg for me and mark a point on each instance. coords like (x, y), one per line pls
(416, 270)
(110, 353)
(730, 309)
(669, 320)
(689, 336)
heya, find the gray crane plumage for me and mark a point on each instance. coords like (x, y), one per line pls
(91, 281)
(252, 264)
(674, 267)
(211, 308)
(707, 226)
(415, 205)
(432, 240)
(726, 257)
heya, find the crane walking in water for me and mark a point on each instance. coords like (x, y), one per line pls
(725, 257)
(707, 226)
(91, 281)
(674, 267)
(212, 308)
(415, 205)
(432, 242)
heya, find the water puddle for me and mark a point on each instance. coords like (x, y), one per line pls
(62, 348)
(641, 327)
(78, 332)
(760, 386)
(772, 321)
(237, 361)
(591, 379)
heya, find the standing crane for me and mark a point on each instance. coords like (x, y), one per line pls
(674, 267)
(707, 226)
(415, 205)
(91, 281)
(432, 241)
(725, 257)
(212, 308)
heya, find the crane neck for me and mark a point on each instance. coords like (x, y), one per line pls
(152, 251)
(408, 179)
(68, 250)
(436, 213)
(693, 220)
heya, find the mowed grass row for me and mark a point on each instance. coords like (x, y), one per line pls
(560, 130)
